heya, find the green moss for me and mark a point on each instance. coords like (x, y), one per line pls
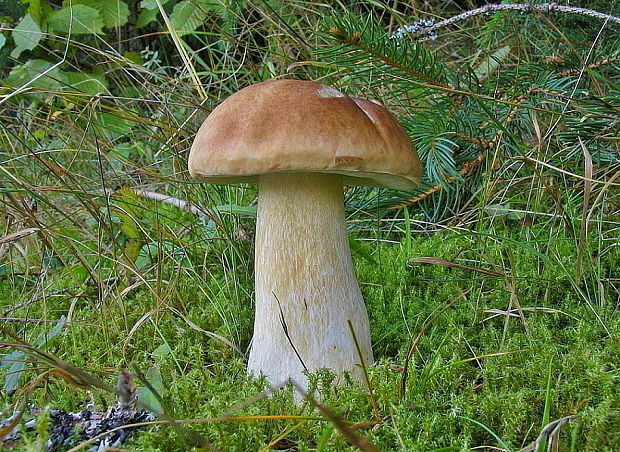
(448, 395)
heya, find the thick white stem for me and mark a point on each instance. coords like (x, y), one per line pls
(306, 290)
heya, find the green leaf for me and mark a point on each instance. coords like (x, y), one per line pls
(490, 65)
(358, 249)
(152, 4)
(119, 155)
(16, 364)
(162, 350)
(146, 397)
(133, 57)
(147, 252)
(124, 209)
(77, 20)
(233, 209)
(16, 361)
(131, 249)
(2, 40)
(30, 72)
(26, 35)
(210, 229)
(114, 13)
(85, 83)
(189, 15)
(44, 339)
(145, 17)
(500, 210)
(114, 125)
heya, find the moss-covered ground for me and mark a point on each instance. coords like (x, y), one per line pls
(476, 376)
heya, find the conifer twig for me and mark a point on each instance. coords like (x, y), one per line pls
(467, 168)
(596, 65)
(353, 40)
(427, 28)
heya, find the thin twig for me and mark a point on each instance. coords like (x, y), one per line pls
(591, 66)
(286, 333)
(180, 203)
(57, 293)
(426, 28)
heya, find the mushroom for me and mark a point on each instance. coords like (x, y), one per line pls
(301, 141)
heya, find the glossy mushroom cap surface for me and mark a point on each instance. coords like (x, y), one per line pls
(292, 125)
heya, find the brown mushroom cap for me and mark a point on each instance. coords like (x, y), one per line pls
(293, 125)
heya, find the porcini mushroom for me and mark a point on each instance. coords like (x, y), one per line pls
(301, 141)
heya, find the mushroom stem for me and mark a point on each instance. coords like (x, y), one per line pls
(306, 290)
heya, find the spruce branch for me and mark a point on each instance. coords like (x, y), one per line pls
(353, 40)
(484, 144)
(441, 104)
(361, 46)
(427, 28)
(606, 61)
(467, 168)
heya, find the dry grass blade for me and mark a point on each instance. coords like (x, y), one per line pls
(358, 441)
(212, 335)
(601, 193)
(286, 333)
(255, 398)
(182, 204)
(511, 287)
(445, 263)
(140, 322)
(568, 173)
(101, 226)
(515, 312)
(189, 323)
(17, 235)
(189, 66)
(7, 429)
(373, 399)
(587, 190)
(551, 431)
(83, 377)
